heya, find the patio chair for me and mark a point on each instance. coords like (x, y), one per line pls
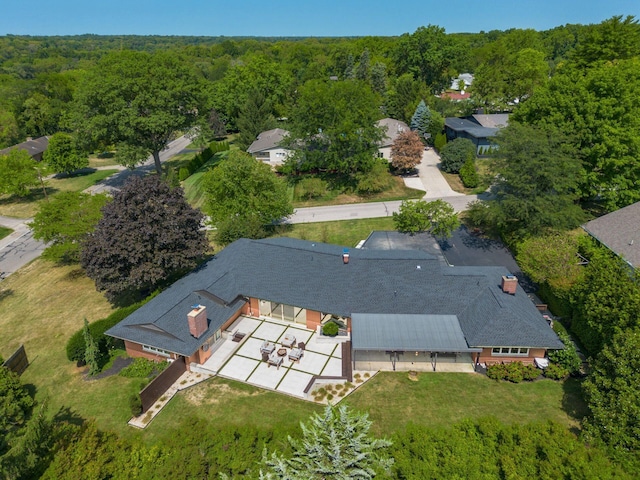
(267, 347)
(296, 354)
(289, 341)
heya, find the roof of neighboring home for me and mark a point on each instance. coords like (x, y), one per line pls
(620, 232)
(470, 127)
(268, 140)
(392, 128)
(456, 95)
(492, 120)
(313, 276)
(33, 147)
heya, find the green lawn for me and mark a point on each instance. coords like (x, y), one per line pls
(26, 207)
(346, 232)
(4, 231)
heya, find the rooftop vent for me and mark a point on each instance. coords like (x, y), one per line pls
(509, 284)
(197, 319)
(345, 256)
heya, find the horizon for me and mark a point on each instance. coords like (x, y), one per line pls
(289, 19)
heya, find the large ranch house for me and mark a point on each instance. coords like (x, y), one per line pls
(397, 309)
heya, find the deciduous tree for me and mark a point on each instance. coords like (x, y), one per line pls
(437, 217)
(62, 154)
(243, 195)
(148, 233)
(18, 173)
(406, 151)
(455, 153)
(138, 101)
(64, 221)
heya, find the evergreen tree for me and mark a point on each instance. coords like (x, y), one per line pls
(362, 72)
(349, 70)
(334, 445)
(254, 118)
(91, 352)
(421, 119)
(379, 78)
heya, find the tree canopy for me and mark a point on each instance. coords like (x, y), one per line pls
(455, 153)
(333, 127)
(406, 151)
(147, 234)
(18, 173)
(137, 101)
(64, 222)
(62, 154)
(243, 195)
(437, 217)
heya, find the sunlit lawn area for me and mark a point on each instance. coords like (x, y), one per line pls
(4, 231)
(26, 207)
(397, 190)
(346, 232)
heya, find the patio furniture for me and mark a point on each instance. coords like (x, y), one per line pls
(289, 341)
(282, 352)
(296, 354)
(267, 347)
(265, 357)
(274, 359)
(301, 346)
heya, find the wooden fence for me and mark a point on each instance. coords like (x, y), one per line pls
(18, 362)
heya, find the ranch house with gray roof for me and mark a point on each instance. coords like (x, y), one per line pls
(395, 304)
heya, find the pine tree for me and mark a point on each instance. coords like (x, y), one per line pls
(379, 78)
(91, 353)
(362, 72)
(421, 119)
(349, 72)
(334, 445)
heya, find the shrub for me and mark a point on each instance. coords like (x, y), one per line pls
(530, 372)
(330, 329)
(555, 372)
(135, 404)
(184, 174)
(468, 174)
(514, 372)
(440, 141)
(76, 345)
(455, 153)
(374, 181)
(311, 187)
(497, 371)
(142, 368)
(568, 357)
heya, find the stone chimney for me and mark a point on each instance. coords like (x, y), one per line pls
(509, 284)
(197, 319)
(345, 256)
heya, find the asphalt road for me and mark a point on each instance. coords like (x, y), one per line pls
(366, 210)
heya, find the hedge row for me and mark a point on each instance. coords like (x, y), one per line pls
(76, 345)
(514, 372)
(201, 158)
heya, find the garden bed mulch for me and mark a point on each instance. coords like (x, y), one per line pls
(118, 364)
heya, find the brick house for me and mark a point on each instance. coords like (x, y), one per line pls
(395, 303)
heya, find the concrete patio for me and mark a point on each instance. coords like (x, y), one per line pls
(242, 360)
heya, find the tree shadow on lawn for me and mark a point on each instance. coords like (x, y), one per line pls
(573, 402)
(6, 293)
(65, 414)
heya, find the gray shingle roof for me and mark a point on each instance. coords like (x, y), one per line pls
(267, 140)
(391, 128)
(34, 146)
(396, 332)
(620, 232)
(492, 120)
(313, 275)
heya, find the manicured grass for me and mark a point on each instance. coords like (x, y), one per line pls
(442, 399)
(4, 231)
(192, 186)
(26, 207)
(397, 191)
(346, 232)
(225, 402)
(105, 159)
(453, 179)
(42, 305)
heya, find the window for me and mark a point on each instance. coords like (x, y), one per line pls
(519, 351)
(155, 350)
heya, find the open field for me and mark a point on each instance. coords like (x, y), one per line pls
(27, 207)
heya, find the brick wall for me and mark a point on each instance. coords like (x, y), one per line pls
(486, 357)
(313, 319)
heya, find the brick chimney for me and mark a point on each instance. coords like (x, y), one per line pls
(197, 319)
(509, 284)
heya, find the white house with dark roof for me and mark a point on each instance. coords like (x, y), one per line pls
(267, 147)
(398, 306)
(619, 231)
(391, 128)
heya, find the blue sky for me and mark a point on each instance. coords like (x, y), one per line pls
(296, 17)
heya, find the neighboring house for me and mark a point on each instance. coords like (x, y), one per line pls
(391, 128)
(456, 96)
(34, 147)
(619, 231)
(267, 147)
(395, 304)
(463, 81)
(479, 128)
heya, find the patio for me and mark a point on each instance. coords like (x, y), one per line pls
(243, 361)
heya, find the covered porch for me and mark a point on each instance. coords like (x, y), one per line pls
(394, 342)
